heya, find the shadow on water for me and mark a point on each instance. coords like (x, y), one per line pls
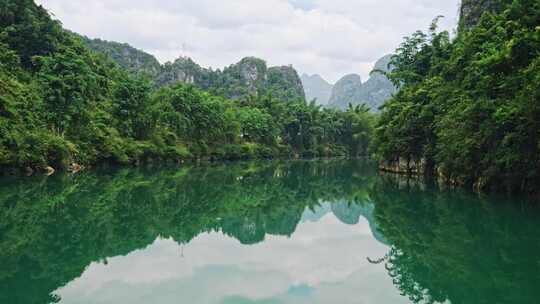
(444, 245)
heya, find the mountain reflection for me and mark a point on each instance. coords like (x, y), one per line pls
(52, 229)
(443, 245)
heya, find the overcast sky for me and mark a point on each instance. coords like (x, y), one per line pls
(328, 37)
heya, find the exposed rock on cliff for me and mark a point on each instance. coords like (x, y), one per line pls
(377, 89)
(181, 70)
(246, 77)
(472, 10)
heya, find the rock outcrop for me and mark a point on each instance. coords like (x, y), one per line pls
(251, 76)
(472, 10)
(182, 70)
(246, 77)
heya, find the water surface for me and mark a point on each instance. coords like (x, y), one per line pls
(266, 232)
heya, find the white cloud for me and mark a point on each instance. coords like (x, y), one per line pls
(329, 37)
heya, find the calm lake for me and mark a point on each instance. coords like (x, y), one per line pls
(263, 232)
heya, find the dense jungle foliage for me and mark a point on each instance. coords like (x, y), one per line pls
(61, 103)
(468, 108)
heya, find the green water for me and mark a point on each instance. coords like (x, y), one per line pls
(269, 232)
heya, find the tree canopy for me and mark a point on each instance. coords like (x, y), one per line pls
(469, 107)
(62, 103)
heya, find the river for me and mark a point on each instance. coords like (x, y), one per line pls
(327, 231)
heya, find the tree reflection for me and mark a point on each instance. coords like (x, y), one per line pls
(445, 246)
(458, 247)
(51, 230)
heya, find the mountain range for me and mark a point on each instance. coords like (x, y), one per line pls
(350, 89)
(250, 76)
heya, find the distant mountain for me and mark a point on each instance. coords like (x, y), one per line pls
(377, 89)
(345, 91)
(316, 87)
(250, 76)
(374, 92)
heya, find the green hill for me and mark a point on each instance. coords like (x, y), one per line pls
(250, 76)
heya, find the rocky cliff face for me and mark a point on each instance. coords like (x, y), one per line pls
(250, 76)
(472, 10)
(252, 71)
(374, 92)
(181, 70)
(316, 87)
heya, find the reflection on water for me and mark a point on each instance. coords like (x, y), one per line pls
(273, 232)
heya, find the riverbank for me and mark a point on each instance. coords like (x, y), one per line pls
(245, 155)
(418, 170)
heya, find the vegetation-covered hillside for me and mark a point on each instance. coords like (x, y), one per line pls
(63, 105)
(126, 56)
(468, 108)
(250, 76)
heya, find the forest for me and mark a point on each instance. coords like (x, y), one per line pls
(63, 106)
(468, 108)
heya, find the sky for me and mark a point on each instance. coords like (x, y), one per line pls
(327, 37)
